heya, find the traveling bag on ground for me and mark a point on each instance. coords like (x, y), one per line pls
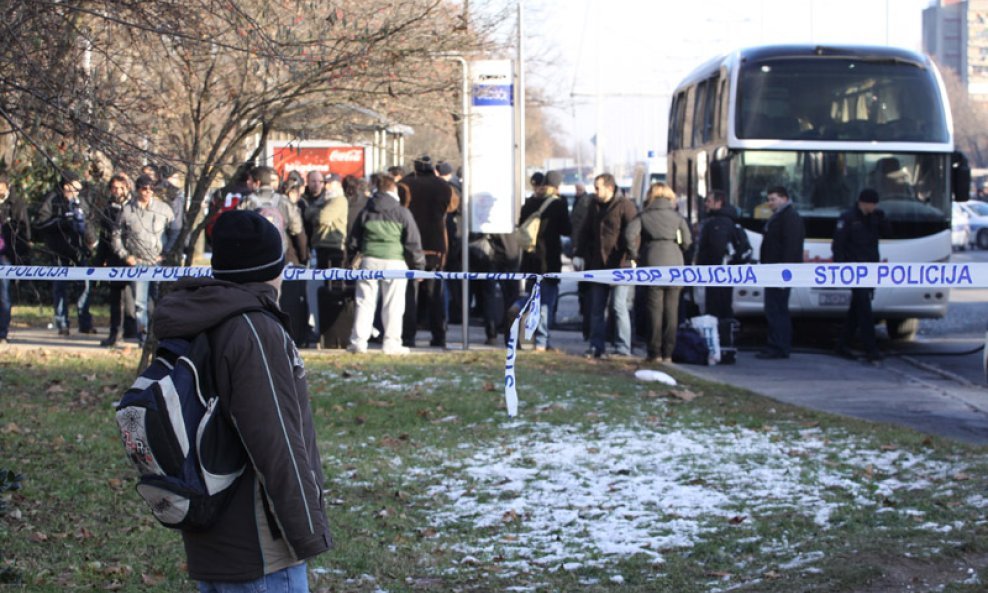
(707, 326)
(337, 310)
(728, 330)
(292, 301)
(188, 455)
(691, 346)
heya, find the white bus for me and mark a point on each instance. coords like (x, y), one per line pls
(824, 122)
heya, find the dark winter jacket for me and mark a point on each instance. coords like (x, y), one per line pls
(277, 515)
(659, 235)
(547, 255)
(603, 245)
(782, 242)
(857, 234)
(109, 222)
(15, 229)
(386, 230)
(431, 199)
(715, 236)
(578, 218)
(63, 226)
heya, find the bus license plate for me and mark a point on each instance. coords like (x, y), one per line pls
(834, 299)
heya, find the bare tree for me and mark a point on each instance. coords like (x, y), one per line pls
(970, 120)
(200, 83)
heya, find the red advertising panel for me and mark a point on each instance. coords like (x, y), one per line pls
(342, 160)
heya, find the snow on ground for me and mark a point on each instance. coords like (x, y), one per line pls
(563, 498)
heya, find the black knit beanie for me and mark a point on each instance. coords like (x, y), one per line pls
(246, 248)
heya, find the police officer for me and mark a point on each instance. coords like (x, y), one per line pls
(856, 240)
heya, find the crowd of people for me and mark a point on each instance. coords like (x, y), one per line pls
(399, 220)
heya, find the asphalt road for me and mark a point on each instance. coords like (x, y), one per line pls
(934, 384)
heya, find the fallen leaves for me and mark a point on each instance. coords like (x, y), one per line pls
(11, 428)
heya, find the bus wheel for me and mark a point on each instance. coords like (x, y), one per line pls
(902, 329)
(983, 239)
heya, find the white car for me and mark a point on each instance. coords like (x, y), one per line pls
(960, 230)
(977, 222)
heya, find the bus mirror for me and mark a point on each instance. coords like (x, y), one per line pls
(960, 177)
(720, 172)
(720, 169)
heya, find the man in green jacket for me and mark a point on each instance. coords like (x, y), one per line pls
(387, 238)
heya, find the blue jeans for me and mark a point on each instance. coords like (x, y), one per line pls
(5, 303)
(548, 299)
(60, 292)
(293, 579)
(598, 318)
(143, 292)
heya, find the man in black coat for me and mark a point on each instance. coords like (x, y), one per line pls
(712, 250)
(782, 243)
(856, 240)
(546, 257)
(431, 199)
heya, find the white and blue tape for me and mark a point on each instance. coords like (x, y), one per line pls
(829, 275)
(808, 275)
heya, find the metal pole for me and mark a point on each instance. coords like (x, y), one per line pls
(465, 198)
(521, 102)
(598, 154)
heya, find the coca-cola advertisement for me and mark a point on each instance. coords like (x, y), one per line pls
(312, 155)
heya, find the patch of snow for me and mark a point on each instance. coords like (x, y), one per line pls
(567, 498)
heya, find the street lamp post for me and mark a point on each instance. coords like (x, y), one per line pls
(465, 198)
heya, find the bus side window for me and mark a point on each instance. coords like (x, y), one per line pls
(699, 103)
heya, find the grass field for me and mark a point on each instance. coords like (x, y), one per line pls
(601, 483)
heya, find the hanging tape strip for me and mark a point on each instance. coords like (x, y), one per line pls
(532, 306)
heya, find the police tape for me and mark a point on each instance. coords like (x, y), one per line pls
(805, 275)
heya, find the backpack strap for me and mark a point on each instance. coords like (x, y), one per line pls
(203, 349)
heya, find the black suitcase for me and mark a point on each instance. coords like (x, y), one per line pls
(292, 302)
(337, 308)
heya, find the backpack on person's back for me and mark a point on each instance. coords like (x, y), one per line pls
(187, 454)
(527, 233)
(739, 250)
(272, 207)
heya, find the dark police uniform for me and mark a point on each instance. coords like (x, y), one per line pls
(856, 240)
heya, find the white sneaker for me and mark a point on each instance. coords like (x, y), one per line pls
(357, 349)
(396, 350)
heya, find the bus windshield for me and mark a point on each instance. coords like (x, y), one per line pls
(839, 99)
(912, 187)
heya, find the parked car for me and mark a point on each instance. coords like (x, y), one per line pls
(960, 231)
(978, 222)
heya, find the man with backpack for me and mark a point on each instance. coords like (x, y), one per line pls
(279, 211)
(275, 517)
(721, 242)
(287, 218)
(545, 253)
